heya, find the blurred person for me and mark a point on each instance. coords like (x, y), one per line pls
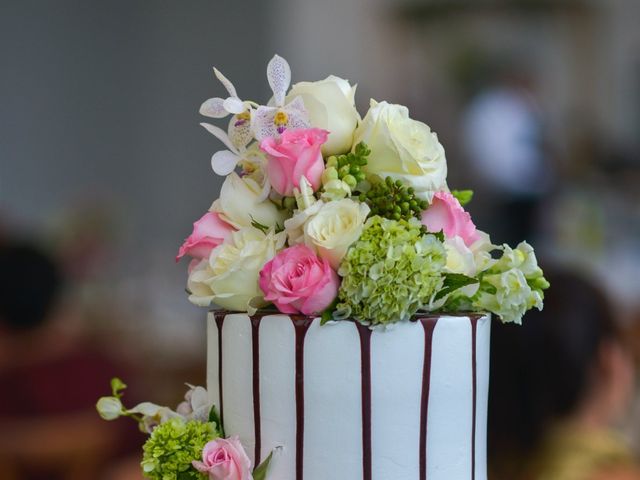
(504, 142)
(50, 378)
(559, 384)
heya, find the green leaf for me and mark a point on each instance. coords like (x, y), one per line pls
(258, 225)
(117, 386)
(214, 417)
(452, 282)
(327, 315)
(463, 196)
(260, 472)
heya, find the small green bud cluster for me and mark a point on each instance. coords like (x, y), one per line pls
(393, 200)
(348, 167)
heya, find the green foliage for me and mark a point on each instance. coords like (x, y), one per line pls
(172, 446)
(390, 272)
(393, 200)
(214, 417)
(452, 282)
(117, 387)
(463, 196)
(260, 473)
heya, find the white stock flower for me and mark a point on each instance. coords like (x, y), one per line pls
(330, 104)
(229, 277)
(330, 228)
(242, 200)
(402, 148)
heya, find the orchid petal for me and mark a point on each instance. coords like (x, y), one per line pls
(279, 76)
(234, 105)
(220, 135)
(297, 113)
(214, 108)
(262, 122)
(225, 82)
(224, 162)
(240, 132)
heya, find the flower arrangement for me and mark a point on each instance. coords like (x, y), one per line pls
(324, 212)
(186, 444)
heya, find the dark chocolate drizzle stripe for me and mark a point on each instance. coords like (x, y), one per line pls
(219, 322)
(255, 350)
(474, 325)
(301, 324)
(429, 325)
(365, 359)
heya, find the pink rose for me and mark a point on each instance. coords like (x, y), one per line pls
(208, 232)
(297, 281)
(295, 154)
(224, 459)
(446, 214)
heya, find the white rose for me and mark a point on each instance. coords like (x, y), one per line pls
(332, 227)
(229, 277)
(402, 148)
(243, 200)
(330, 105)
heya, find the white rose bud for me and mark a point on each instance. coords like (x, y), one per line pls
(402, 148)
(330, 106)
(229, 277)
(243, 200)
(334, 228)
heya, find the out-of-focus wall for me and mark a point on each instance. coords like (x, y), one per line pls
(99, 114)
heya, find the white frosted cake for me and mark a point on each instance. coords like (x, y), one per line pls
(348, 403)
(368, 365)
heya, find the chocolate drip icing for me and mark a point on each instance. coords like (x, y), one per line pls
(429, 325)
(474, 329)
(301, 324)
(365, 359)
(220, 316)
(255, 350)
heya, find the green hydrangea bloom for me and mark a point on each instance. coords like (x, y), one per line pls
(513, 285)
(172, 446)
(390, 272)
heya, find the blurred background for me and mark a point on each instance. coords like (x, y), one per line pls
(103, 166)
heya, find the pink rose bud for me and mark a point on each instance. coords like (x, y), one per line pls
(297, 281)
(295, 154)
(447, 215)
(208, 232)
(224, 459)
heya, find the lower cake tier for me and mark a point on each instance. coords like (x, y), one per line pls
(343, 402)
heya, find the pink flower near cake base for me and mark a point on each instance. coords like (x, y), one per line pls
(447, 215)
(208, 232)
(297, 281)
(224, 459)
(295, 154)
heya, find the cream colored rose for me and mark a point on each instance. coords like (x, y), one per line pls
(243, 200)
(229, 278)
(402, 148)
(333, 227)
(330, 106)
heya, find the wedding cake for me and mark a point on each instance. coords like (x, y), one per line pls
(355, 296)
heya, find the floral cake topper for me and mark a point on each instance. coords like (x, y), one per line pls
(324, 212)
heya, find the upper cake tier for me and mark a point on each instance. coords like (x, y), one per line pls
(343, 402)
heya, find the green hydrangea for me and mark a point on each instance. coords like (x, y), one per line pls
(172, 446)
(513, 285)
(390, 272)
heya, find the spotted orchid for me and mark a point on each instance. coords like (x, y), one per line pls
(239, 133)
(272, 120)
